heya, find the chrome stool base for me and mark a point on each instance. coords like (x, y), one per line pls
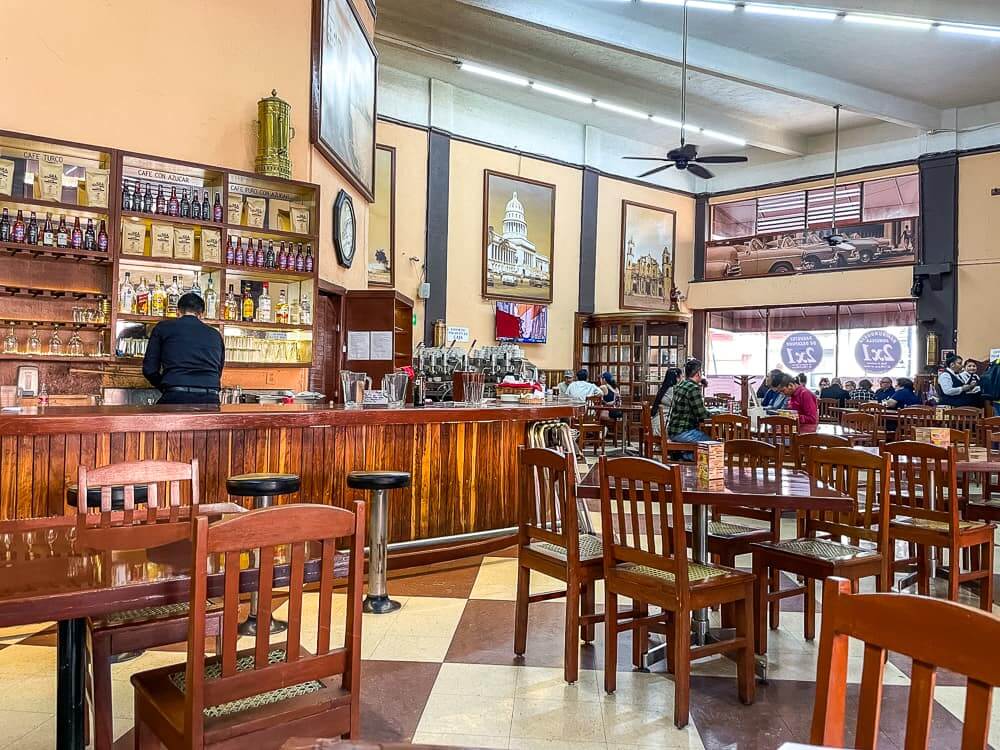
(379, 605)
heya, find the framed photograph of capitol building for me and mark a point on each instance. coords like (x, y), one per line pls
(518, 238)
(647, 257)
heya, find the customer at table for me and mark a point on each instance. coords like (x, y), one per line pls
(774, 398)
(582, 388)
(824, 383)
(567, 381)
(610, 395)
(863, 392)
(835, 391)
(688, 411)
(765, 384)
(955, 390)
(803, 401)
(184, 357)
(850, 385)
(663, 400)
(904, 395)
(885, 390)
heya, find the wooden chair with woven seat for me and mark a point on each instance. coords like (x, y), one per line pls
(827, 415)
(942, 640)
(107, 527)
(550, 542)
(830, 545)
(924, 511)
(672, 451)
(645, 559)
(911, 417)
(651, 442)
(803, 442)
(965, 418)
(988, 425)
(261, 696)
(730, 427)
(865, 422)
(590, 428)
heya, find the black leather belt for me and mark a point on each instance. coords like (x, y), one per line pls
(191, 389)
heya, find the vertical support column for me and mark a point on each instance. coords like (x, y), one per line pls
(438, 181)
(938, 241)
(701, 212)
(588, 242)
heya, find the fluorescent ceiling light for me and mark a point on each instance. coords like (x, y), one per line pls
(790, 11)
(898, 22)
(665, 121)
(617, 108)
(703, 4)
(716, 135)
(499, 75)
(986, 31)
(572, 96)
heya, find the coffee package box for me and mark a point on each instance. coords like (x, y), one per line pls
(940, 436)
(254, 210)
(299, 218)
(710, 460)
(95, 188)
(162, 241)
(184, 243)
(48, 181)
(6, 177)
(211, 245)
(234, 209)
(133, 238)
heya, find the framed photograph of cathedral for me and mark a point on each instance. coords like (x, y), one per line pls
(519, 217)
(647, 257)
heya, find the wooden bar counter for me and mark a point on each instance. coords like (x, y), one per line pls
(462, 460)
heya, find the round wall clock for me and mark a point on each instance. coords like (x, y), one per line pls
(345, 235)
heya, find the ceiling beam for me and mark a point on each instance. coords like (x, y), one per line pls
(613, 27)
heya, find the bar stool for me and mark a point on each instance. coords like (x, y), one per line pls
(117, 496)
(378, 482)
(262, 488)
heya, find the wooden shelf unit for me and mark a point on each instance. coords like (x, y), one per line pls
(380, 310)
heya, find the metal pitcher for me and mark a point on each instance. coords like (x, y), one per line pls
(354, 386)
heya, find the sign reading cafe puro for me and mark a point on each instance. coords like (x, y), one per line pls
(802, 352)
(878, 352)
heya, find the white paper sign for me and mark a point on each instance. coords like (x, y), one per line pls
(994, 355)
(358, 345)
(375, 398)
(381, 345)
(457, 333)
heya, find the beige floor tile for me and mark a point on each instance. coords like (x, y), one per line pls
(486, 716)
(646, 727)
(477, 680)
(520, 743)
(15, 725)
(122, 725)
(152, 659)
(497, 579)
(33, 693)
(460, 740)
(15, 633)
(410, 648)
(953, 699)
(27, 660)
(557, 720)
(654, 691)
(542, 683)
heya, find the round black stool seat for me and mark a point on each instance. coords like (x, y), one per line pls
(378, 480)
(117, 496)
(258, 485)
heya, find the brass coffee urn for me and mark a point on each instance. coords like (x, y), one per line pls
(274, 131)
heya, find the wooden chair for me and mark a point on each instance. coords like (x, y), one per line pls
(924, 511)
(852, 403)
(964, 418)
(651, 442)
(730, 427)
(672, 451)
(822, 552)
(940, 641)
(827, 414)
(988, 425)
(133, 528)
(549, 541)
(866, 422)
(872, 407)
(590, 428)
(803, 442)
(261, 696)
(777, 430)
(645, 558)
(962, 440)
(910, 417)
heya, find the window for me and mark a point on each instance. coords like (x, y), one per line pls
(733, 220)
(781, 213)
(892, 198)
(820, 212)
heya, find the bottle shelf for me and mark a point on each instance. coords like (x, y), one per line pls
(55, 206)
(54, 294)
(265, 233)
(268, 365)
(54, 357)
(67, 324)
(131, 216)
(180, 263)
(268, 274)
(43, 252)
(267, 326)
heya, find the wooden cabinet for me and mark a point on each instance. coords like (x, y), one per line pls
(380, 311)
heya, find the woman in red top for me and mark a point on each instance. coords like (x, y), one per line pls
(803, 401)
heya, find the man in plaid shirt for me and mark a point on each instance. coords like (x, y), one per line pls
(688, 411)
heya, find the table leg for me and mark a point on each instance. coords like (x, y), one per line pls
(699, 544)
(70, 679)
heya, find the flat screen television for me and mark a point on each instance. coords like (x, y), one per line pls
(522, 323)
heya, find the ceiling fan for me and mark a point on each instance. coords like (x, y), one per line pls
(685, 157)
(835, 239)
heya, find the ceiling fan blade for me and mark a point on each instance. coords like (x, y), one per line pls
(720, 159)
(700, 171)
(690, 149)
(657, 169)
(647, 158)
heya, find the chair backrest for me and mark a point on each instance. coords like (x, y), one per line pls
(962, 440)
(777, 429)
(826, 409)
(910, 417)
(988, 425)
(874, 407)
(992, 440)
(853, 403)
(751, 455)
(861, 421)
(806, 440)
(924, 482)
(963, 418)
(591, 407)
(548, 509)
(730, 427)
(863, 477)
(288, 538)
(631, 490)
(651, 445)
(874, 619)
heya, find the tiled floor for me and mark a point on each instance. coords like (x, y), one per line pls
(442, 670)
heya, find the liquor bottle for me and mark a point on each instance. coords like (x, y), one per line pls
(142, 298)
(281, 312)
(232, 307)
(260, 260)
(62, 234)
(173, 205)
(5, 227)
(158, 304)
(309, 259)
(250, 256)
(89, 237)
(269, 256)
(264, 306)
(148, 201)
(211, 301)
(280, 260)
(48, 234)
(161, 200)
(195, 205)
(231, 251)
(247, 306)
(238, 253)
(127, 197)
(206, 209)
(295, 313)
(76, 237)
(17, 233)
(216, 209)
(32, 236)
(196, 285)
(185, 206)
(307, 317)
(102, 238)
(173, 295)
(126, 295)
(300, 260)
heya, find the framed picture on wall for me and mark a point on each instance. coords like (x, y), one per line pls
(382, 220)
(518, 238)
(342, 106)
(647, 257)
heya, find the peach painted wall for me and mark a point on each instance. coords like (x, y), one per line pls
(978, 254)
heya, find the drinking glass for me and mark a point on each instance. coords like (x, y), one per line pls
(354, 385)
(10, 342)
(75, 346)
(394, 384)
(55, 343)
(473, 384)
(34, 343)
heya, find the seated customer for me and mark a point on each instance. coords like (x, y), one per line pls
(610, 395)
(567, 381)
(885, 390)
(904, 395)
(803, 401)
(850, 385)
(664, 399)
(582, 388)
(863, 392)
(688, 409)
(774, 398)
(835, 391)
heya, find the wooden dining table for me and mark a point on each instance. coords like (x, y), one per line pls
(50, 570)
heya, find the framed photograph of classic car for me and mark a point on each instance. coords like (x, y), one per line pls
(382, 220)
(646, 257)
(342, 105)
(519, 217)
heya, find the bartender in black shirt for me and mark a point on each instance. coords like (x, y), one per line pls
(184, 357)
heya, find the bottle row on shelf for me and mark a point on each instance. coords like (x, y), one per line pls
(292, 258)
(48, 234)
(141, 199)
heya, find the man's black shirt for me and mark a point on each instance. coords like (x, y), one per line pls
(184, 352)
